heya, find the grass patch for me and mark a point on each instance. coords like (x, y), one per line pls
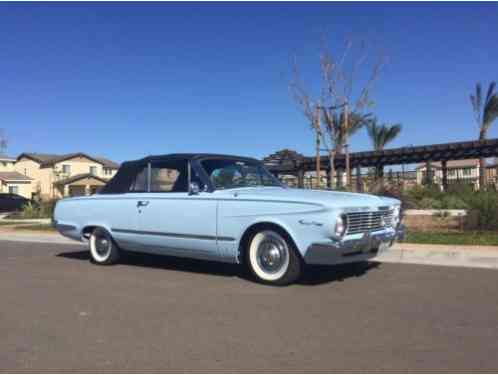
(36, 227)
(453, 238)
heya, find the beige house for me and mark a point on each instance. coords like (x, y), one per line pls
(57, 176)
(11, 181)
(458, 171)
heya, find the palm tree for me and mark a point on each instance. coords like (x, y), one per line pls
(338, 134)
(381, 135)
(485, 113)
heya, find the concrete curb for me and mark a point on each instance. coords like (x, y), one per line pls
(442, 255)
(26, 221)
(26, 236)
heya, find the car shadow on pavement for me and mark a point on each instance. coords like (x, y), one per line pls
(312, 275)
(316, 275)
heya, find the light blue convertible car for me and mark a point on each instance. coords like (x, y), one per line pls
(230, 209)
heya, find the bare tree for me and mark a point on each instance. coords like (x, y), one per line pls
(3, 142)
(341, 96)
(339, 109)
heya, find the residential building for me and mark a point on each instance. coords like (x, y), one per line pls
(55, 176)
(6, 163)
(12, 181)
(458, 171)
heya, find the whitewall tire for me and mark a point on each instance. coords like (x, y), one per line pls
(103, 249)
(272, 258)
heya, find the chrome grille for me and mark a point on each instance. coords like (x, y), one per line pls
(366, 221)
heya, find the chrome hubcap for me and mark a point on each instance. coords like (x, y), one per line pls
(272, 254)
(102, 245)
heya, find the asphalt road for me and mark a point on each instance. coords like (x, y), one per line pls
(59, 312)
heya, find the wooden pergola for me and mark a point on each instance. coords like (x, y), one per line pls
(292, 163)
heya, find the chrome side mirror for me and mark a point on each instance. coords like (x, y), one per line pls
(194, 188)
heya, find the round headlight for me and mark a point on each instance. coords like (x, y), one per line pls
(340, 225)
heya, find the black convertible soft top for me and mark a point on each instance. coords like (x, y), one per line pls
(126, 174)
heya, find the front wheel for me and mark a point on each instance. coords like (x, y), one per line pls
(103, 249)
(272, 258)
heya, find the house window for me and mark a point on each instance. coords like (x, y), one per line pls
(14, 189)
(4, 163)
(66, 169)
(467, 172)
(107, 171)
(451, 172)
(93, 171)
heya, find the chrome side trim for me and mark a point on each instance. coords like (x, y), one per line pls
(174, 235)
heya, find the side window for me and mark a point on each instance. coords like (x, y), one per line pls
(169, 176)
(66, 169)
(227, 176)
(140, 183)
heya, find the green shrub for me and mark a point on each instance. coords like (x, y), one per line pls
(485, 208)
(29, 211)
(428, 203)
(453, 202)
(47, 208)
(41, 210)
(482, 205)
(418, 193)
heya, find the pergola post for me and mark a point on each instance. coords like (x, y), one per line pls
(444, 169)
(428, 172)
(329, 186)
(379, 171)
(359, 185)
(339, 176)
(300, 178)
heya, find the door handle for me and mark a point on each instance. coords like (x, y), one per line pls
(142, 204)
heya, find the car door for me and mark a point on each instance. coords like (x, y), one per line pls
(174, 221)
(120, 212)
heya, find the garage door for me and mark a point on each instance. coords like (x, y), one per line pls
(76, 191)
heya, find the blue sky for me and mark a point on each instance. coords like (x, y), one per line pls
(127, 80)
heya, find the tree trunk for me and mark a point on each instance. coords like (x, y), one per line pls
(483, 181)
(332, 168)
(482, 165)
(346, 129)
(317, 156)
(340, 171)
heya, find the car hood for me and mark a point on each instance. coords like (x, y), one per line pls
(331, 199)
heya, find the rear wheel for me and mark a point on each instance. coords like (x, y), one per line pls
(272, 258)
(103, 249)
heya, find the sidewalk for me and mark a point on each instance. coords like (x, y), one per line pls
(442, 255)
(7, 234)
(436, 255)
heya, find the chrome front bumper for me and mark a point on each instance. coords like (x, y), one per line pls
(357, 250)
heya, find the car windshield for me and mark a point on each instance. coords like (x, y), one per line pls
(233, 173)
